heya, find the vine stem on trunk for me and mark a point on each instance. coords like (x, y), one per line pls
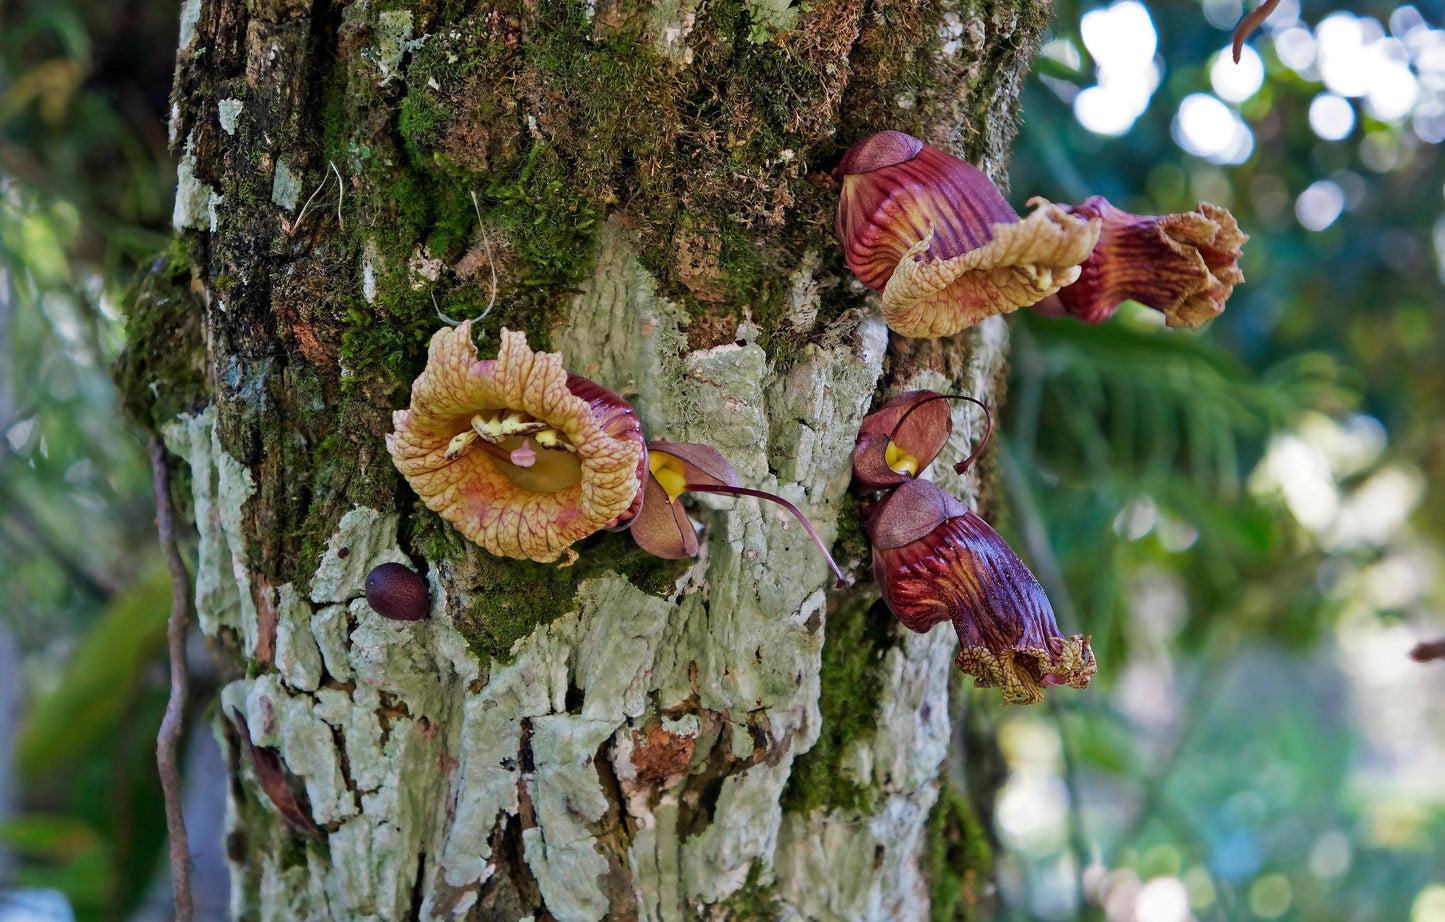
(168, 739)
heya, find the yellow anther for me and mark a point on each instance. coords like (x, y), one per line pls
(460, 443)
(669, 473)
(900, 461)
(551, 438)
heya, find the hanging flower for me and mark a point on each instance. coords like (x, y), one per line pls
(937, 238)
(522, 457)
(936, 561)
(1182, 265)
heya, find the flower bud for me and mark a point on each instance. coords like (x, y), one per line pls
(899, 439)
(394, 591)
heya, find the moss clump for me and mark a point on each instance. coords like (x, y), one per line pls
(509, 599)
(851, 543)
(959, 860)
(851, 688)
(755, 901)
(162, 372)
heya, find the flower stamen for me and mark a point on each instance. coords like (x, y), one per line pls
(901, 461)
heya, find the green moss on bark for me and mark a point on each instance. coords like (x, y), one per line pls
(162, 372)
(856, 640)
(959, 861)
(506, 600)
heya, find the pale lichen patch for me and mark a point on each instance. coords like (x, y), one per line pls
(285, 188)
(227, 111)
(329, 628)
(297, 657)
(193, 197)
(364, 539)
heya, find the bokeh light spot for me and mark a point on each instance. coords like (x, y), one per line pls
(1121, 36)
(1331, 854)
(1207, 128)
(1163, 899)
(1270, 896)
(1332, 117)
(1319, 205)
(1236, 82)
(1295, 47)
(1429, 905)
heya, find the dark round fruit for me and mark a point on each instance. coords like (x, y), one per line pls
(394, 591)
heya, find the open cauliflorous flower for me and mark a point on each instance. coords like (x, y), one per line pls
(521, 456)
(937, 238)
(1183, 265)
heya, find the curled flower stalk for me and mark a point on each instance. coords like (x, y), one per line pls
(935, 236)
(1183, 265)
(674, 468)
(935, 561)
(520, 456)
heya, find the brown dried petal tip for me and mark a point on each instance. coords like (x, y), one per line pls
(937, 238)
(1182, 265)
(935, 561)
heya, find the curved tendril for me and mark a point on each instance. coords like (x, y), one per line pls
(966, 463)
(843, 581)
(491, 302)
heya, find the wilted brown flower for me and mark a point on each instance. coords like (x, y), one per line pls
(522, 457)
(1182, 265)
(937, 238)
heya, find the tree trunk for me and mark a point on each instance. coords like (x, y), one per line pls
(627, 737)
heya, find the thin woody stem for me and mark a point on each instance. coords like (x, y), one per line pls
(843, 581)
(1249, 23)
(966, 463)
(168, 739)
(1425, 651)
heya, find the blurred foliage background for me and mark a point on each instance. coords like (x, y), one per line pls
(1248, 520)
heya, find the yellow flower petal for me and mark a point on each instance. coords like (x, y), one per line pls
(1023, 263)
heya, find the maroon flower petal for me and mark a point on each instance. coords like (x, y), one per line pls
(938, 239)
(662, 527)
(1183, 265)
(960, 570)
(925, 427)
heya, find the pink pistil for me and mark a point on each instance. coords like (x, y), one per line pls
(524, 456)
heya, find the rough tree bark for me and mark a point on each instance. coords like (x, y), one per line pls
(628, 737)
